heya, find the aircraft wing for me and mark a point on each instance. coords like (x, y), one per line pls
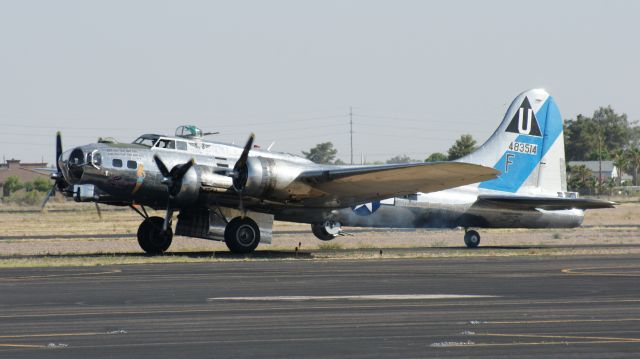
(353, 185)
(47, 170)
(546, 203)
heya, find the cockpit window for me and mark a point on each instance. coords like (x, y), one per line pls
(145, 141)
(181, 145)
(95, 158)
(166, 143)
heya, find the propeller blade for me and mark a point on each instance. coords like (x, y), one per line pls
(50, 194)
(240, 170)
(163, 169)
(58, 149)
(98, 210)
(167, 217)
(240, 203)
(182, 170)
(242, 161)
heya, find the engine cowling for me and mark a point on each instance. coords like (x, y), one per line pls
(270, 178)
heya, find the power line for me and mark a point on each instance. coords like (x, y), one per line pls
(236, 123)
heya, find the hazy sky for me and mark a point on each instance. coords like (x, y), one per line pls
(417, 73)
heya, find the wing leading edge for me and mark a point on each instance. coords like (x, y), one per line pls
(353, 185)
(546, 203)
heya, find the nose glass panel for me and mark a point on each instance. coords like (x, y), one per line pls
(76, 163)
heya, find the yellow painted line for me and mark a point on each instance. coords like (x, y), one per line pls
(22, 346)
(60, 275)
(550, 321)
(575, 337)
(16, 336)
(533, 344)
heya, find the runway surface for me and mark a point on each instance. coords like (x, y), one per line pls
(526, 307)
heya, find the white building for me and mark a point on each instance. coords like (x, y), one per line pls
(608, 169)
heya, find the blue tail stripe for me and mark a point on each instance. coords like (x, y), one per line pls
(516, 167)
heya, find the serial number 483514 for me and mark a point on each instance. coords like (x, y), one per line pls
(528, 148)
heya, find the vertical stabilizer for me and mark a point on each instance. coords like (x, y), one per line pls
(527, 147)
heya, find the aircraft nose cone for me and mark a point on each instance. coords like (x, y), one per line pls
(74, 164)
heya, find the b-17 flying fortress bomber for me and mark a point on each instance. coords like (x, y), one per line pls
(233, 194)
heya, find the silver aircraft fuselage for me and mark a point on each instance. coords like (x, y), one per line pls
(456, 207)
(127, 174)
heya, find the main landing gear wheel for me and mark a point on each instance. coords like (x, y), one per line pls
(326, 231)
(471, 239)
(152, 238)
(242, 235)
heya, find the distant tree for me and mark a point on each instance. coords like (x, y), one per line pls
(633, 156)
(436, 157)
(621, 161)
(462, 147)
(321, 153)
(339, 162)
(599, 136)
(634, 136)
(580, 179)
(401, 159)
(12, 184)
(608, 185)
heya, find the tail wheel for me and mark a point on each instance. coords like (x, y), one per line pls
(151, 238)
(242, 235)
(472, 239)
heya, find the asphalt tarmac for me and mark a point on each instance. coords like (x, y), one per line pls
(525, 307)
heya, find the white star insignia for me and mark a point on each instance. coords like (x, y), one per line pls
(368, 206)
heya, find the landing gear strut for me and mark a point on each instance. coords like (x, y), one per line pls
(471, 238)
(152, 238)
(242, 235)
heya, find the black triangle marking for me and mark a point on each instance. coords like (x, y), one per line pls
(524, 122)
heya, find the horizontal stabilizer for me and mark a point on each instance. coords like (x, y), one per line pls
(546, 203)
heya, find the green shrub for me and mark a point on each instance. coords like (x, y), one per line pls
(12, 184)
(42, 184)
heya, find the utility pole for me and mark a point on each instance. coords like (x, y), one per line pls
(600, 160)
(351, 130)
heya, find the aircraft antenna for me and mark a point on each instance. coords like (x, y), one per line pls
(351, 130)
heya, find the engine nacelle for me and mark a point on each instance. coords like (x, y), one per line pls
(270, 178)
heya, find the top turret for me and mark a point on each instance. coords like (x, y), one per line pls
(189, 131)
